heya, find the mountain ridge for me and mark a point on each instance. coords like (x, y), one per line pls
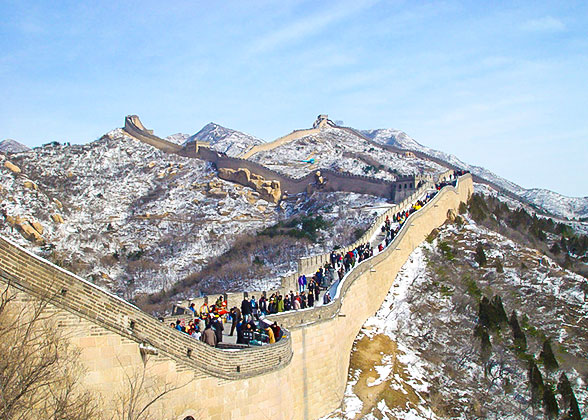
(12, 146)
(551, 201)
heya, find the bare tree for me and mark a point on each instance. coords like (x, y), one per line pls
(39, 369)
(141, 392)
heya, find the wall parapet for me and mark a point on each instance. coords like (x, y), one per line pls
(40, 278)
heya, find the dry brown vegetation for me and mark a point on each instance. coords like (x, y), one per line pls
(39, 370)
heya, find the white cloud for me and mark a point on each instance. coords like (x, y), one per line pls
(544, 24)
(306, 26)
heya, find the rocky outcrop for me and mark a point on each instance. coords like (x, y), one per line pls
(30, 185)
(57, 218)
(12, 167)
(268, 190)
(38, 227)
(29, 232)
(32, 231)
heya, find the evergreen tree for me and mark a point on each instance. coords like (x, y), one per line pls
(563, 244)
(549, 360)
(480, 255)
(484, 312)
(520, 340)
(550, 403)
(485, 347)
(499, 313)
(570, 404)
(535, 383)
(491, 313)
(574, 411)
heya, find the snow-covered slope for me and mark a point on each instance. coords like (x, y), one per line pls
(231, 142)
(12, 146)
(557, 204)
(568, 207)
(134, 217)
(178, 138)
(418, 357)
(137, 219)
(340, 150)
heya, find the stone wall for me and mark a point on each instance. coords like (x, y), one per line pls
(39, 277)
(335, 181)
(135, 128)
(294, 135)
(301, 377)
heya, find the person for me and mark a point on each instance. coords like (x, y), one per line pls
(276, 330)
(310, 297)
(301, 283)
(240, 333)
(217, 324)
(246, 309)
(326, 298)
(317, 292)
(263, 305)
(248, 333)
(192, 307)
(196, 330)
(209, 337)
(270, 333)
(296, 304)
(179, 325)
(236, 318)
(204, 310)
(280, 304)
(254, 308)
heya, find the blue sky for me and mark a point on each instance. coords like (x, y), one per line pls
(503, 85)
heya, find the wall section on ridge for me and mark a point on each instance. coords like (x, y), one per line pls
(134, 127)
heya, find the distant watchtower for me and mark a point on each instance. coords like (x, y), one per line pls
(323, 121)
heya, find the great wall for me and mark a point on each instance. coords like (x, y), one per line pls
(301, 376)
(334, 181)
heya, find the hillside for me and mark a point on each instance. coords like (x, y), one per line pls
(421, 355)
(134, 219)
(340, 150)
(231, 142)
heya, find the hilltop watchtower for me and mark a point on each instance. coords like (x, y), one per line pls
(323, 121)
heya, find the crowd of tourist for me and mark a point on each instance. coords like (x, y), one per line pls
(208, 322)
(247, 320)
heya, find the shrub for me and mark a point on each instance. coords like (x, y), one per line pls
(480, 255)
(446, 250)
